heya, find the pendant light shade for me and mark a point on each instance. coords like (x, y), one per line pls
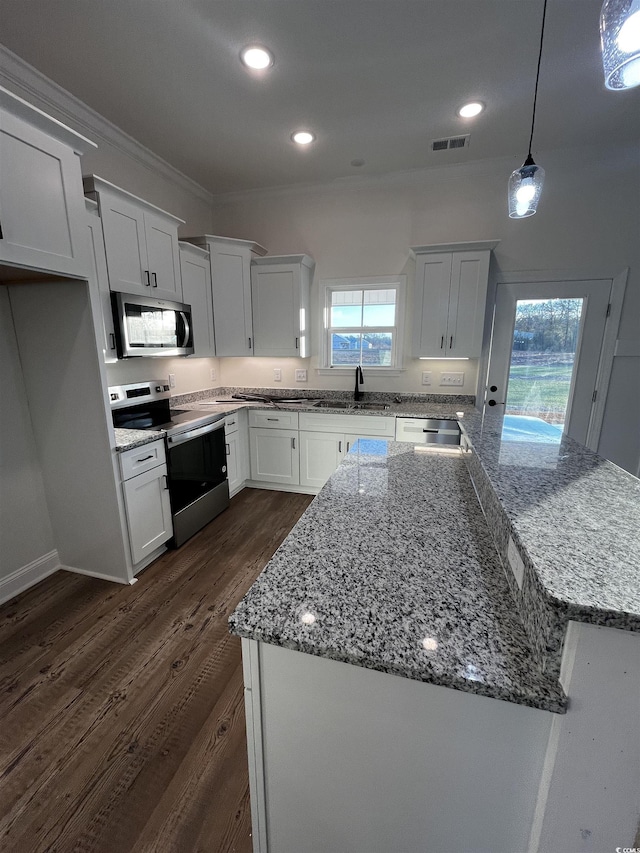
(620, 40)
(525, 183)
(525, 186)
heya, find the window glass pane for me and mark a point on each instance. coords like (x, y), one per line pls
(346, 308)
(369, 348)
(345, 348)
(545, 341)
(377, 348)
(379, 308)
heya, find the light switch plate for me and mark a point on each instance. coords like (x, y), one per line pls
(301, 375)
(452, 378)
(426, 377)
(515, 561)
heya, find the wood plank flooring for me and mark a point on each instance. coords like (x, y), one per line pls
(121, 708)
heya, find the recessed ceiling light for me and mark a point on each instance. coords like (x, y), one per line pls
(302, 137)
(470, 110)
(256, 57)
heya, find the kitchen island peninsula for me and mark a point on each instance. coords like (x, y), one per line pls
(433, 706)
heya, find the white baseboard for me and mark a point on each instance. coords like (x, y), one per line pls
(28, 575)
(282, 487)
(98, 575)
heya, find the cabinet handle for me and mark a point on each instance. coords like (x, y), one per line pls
(147, 279)
(155, 279)
(249, 343)
(451, 343)
(1, 234)
(348, 446)
(339, 447)
(227, 450)
(112, 338)
(442, 342)
(166, 481)
(431, 430)
(231, 423)
(277, 420)
(144, 458)
(297, 347)
(293, 444)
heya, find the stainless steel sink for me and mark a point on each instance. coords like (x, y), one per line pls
(350, 404)
(376, 407)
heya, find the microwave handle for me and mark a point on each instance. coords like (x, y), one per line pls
(187, 328)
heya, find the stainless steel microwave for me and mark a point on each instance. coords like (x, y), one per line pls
(151, 327)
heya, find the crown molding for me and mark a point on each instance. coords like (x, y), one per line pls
(27, 82)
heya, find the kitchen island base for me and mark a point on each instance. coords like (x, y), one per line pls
(344, 759)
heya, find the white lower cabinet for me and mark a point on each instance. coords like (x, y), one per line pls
(273, 447)
(322, 447)
(146, 499)
(237, 448)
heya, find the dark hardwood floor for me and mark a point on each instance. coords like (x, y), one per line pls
(121, 708)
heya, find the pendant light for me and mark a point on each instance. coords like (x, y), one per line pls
(620, 41)
(525, 183)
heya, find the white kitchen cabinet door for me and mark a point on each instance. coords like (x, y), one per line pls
(141, 243)
(450, 300)
(148, 512)
(320, 455)
(196, 291)
(163, 256)
(42, 215)
(280, 288)
(107, 338)
(231, 291)
(275, 455)
(433, 282)
(232, 441)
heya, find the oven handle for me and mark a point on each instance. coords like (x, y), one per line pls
(195, 433)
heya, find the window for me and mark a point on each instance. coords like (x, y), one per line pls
(362, 320)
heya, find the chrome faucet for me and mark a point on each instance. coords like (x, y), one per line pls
(359, 381)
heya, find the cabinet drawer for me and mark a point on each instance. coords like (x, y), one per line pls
(231, 423)
(372, 425)
(273, 419)
(140, 459)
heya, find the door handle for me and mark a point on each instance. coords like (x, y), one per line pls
(297, 347)
(451, 342)
(155, 279)
(339, 447)
(249, 343)
(293, 444)
(147, 279)
(442, 342)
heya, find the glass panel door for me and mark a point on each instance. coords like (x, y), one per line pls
(545, 354)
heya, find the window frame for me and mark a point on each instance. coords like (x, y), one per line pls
(386, 282)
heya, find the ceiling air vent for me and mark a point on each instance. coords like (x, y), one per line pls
(452, 142)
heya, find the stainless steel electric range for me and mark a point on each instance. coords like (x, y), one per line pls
(196, 455)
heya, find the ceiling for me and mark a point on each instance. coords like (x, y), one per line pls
(376, 80)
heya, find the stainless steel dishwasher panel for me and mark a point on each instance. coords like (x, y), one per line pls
(427, 431)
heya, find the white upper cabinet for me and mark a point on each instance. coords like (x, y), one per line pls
(450, 299)
(196, 291)
(280, 288)
(231, 291)
(141, 242)
(42, 215)
(104, 323)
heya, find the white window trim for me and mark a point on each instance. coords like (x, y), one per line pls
(328, 284)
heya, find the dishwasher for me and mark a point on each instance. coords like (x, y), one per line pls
(427, 430)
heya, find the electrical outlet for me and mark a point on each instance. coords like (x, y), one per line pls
(452, 378)
(515, 561)
(277, 374)
(301, 375)
(212, 374)
(172, 380)
(426, 377)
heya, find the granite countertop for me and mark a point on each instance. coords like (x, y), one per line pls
(127, 439)
(367, 577)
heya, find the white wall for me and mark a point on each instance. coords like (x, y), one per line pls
(588, 220)
(25, 526)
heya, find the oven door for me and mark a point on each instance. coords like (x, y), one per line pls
(197, 469)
